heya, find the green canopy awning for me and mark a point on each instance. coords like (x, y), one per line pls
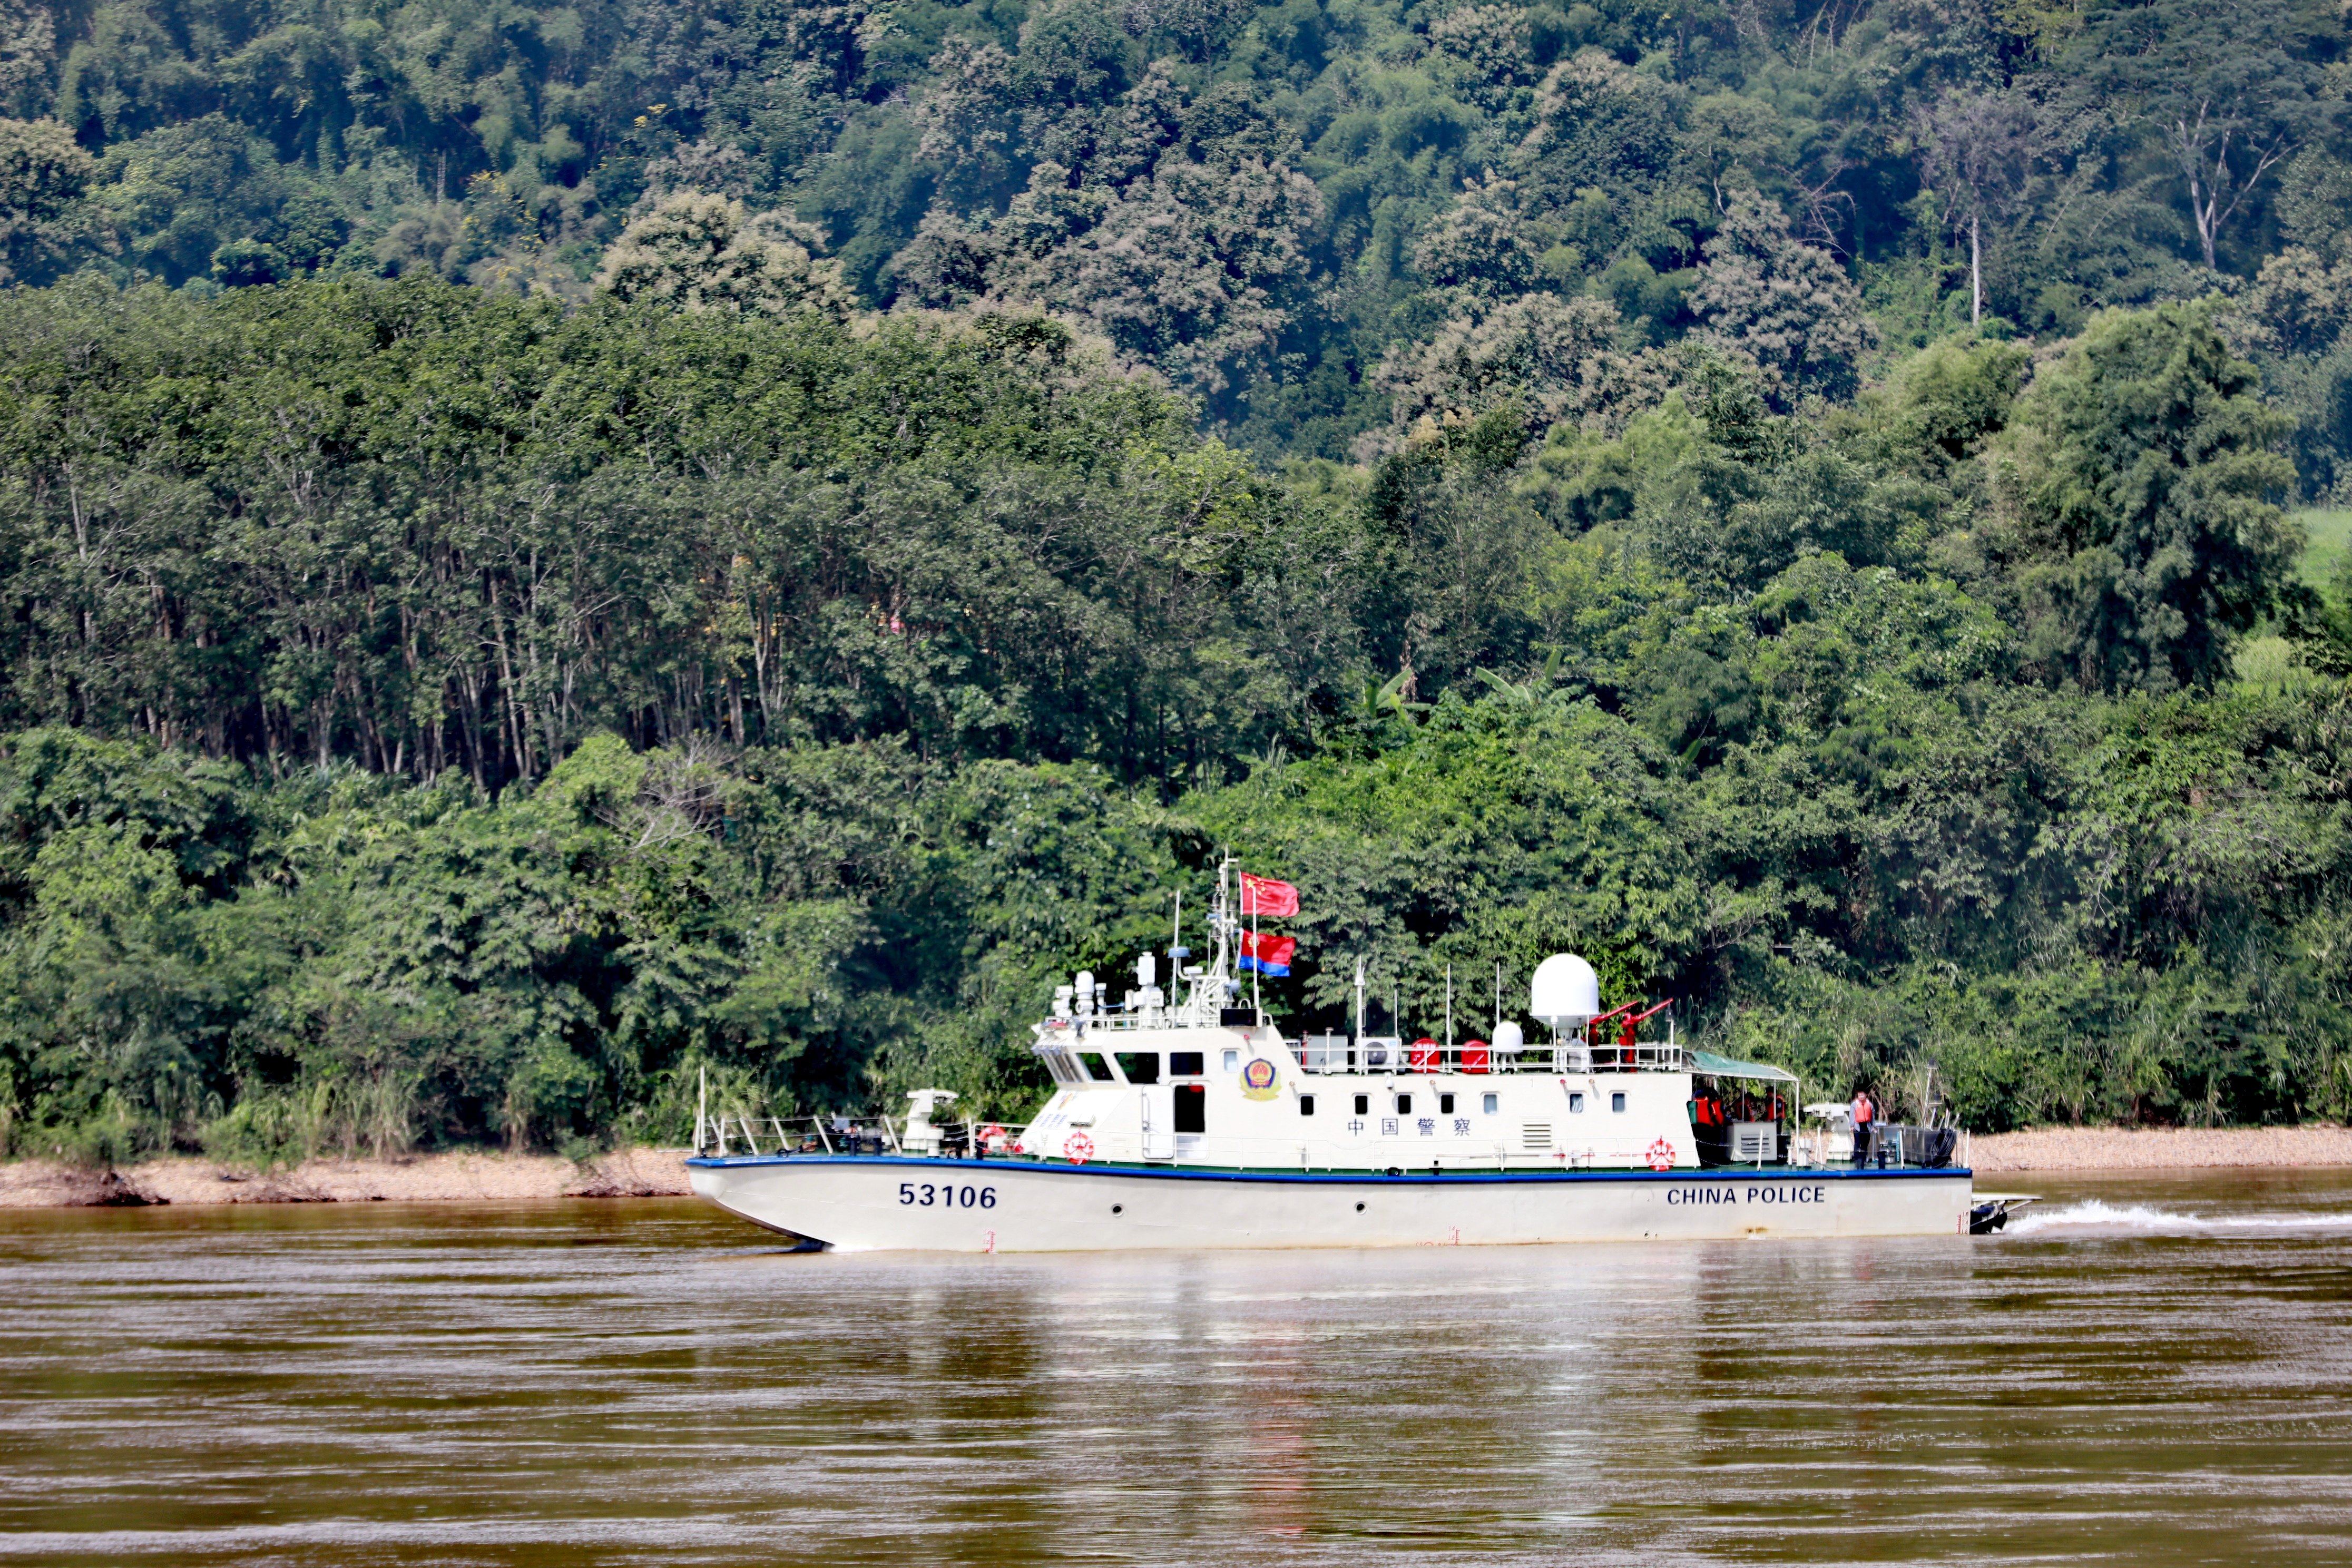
(1723, 1067)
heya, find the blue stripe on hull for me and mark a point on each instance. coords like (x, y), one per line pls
(1447, 1178)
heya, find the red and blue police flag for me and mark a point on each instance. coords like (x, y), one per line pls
(1266, 954)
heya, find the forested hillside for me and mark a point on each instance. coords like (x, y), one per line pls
(546, 550)
(1294, 211)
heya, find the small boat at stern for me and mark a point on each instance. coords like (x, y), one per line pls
(1184, 1118)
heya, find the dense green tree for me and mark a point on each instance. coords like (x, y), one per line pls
(44, 175)
(706, 253)
(1786, 305)
(2144, 522)
(1551, 362)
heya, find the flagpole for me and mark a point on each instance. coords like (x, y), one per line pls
(1257, 940)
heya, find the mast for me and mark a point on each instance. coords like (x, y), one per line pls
(1221, 927)
(1258, 961)
(1359, 1010)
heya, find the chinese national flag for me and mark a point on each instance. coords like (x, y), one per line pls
(1266, 954)
(1264, 896)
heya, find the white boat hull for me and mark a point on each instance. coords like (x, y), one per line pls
(888, 1203)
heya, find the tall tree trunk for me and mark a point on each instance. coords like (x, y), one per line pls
(2203, 207)
(1975, 274)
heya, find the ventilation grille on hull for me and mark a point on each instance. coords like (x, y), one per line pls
(1536, 1134)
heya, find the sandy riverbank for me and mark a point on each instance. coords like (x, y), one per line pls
(461, 1177)
(2158, 1148)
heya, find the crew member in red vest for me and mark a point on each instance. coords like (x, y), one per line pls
(1864, 1112)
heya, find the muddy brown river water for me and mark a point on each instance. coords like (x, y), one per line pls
(2150, 1370)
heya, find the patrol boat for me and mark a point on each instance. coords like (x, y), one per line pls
(1180, 1117)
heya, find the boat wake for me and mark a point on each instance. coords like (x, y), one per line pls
(2095, 1214)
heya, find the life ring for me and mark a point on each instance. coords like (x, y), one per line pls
(1662, 1155)
(991, 1136)
(1077, 1148)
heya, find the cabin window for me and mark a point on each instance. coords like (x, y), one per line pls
(1363, 1105)
(1192, 1107)
(1096, 1069)
(1233, 1061)
(1444, 1105)
(1141, 1067)
(1575, 1103)
(1404, 1105)
(1059, 1066)
(1492, 1103)
(1184, 1064)
(1616, 1102)
(1306, 1105)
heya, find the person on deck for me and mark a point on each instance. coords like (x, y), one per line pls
(1864, 1112)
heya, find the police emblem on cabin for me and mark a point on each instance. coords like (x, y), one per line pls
(1257, 1079)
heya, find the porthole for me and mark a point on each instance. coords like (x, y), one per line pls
(1616, 1102)
(1360, 1208)
(1306, 1105)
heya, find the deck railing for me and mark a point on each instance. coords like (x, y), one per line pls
(735, 1132)
(1339, 1054)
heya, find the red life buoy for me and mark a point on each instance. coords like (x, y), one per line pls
(1077, 1148)
(991, 1136)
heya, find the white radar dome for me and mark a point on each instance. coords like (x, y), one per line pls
(1565, 992)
